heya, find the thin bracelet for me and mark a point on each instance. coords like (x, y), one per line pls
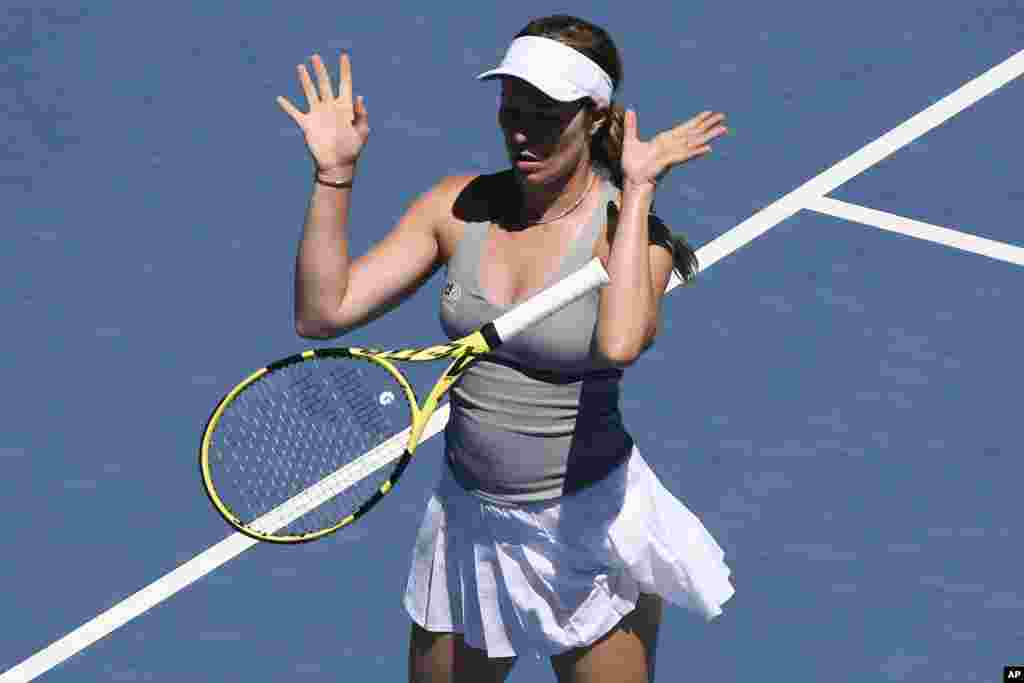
(328, 183)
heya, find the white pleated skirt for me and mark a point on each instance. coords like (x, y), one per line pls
(543, 578)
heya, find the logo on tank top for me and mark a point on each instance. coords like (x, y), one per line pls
(451, 294)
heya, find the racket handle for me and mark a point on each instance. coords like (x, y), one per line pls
(550, 300)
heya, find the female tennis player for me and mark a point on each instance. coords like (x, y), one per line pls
(548, 534)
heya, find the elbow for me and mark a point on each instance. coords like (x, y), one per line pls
(621, 361)
(622, 353)
(313, 329)
(325, 323)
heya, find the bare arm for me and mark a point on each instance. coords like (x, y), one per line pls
(322, 262)
(333, 293)
(631, 303)
(639, 271)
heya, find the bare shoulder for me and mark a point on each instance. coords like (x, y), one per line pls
(451, 186)
(466, 198)
(437, 215)
(439, 200)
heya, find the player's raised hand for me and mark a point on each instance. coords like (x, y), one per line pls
(336, 126)
(648, 161)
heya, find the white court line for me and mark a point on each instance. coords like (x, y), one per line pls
(166, 586)
(722, 246)
(919, 229)
(862, 159)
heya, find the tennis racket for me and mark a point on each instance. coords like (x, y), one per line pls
(310, 443)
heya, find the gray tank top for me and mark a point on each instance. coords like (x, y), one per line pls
(539, 417)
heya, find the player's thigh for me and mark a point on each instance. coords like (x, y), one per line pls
(625, 655)
(445, 658)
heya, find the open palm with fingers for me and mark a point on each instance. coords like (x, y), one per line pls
(649, 161)
(336, 127)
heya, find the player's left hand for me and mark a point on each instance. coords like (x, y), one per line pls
(647, 162)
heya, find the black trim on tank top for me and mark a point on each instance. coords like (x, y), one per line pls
(490, 334)
(551, 376)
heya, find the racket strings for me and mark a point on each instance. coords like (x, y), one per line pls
(285, 454)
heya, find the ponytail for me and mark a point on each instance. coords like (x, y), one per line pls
(606, 145)
(684, 258)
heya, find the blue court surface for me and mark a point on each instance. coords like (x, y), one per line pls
(838, 397)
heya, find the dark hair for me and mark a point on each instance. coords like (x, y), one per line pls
(606, 145)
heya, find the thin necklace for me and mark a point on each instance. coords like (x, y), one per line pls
(570, 209)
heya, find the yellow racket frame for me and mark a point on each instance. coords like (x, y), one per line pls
(462, 352)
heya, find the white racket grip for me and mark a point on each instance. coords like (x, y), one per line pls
(552, 299)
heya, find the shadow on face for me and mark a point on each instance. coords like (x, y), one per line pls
(536, 124)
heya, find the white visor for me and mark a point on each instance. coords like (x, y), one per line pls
(557, 70)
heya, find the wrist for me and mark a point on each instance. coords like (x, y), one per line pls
(637, 194)
(335, 174)
(338, 185)
(338, 181)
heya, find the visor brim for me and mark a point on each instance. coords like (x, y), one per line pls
(556, 89)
